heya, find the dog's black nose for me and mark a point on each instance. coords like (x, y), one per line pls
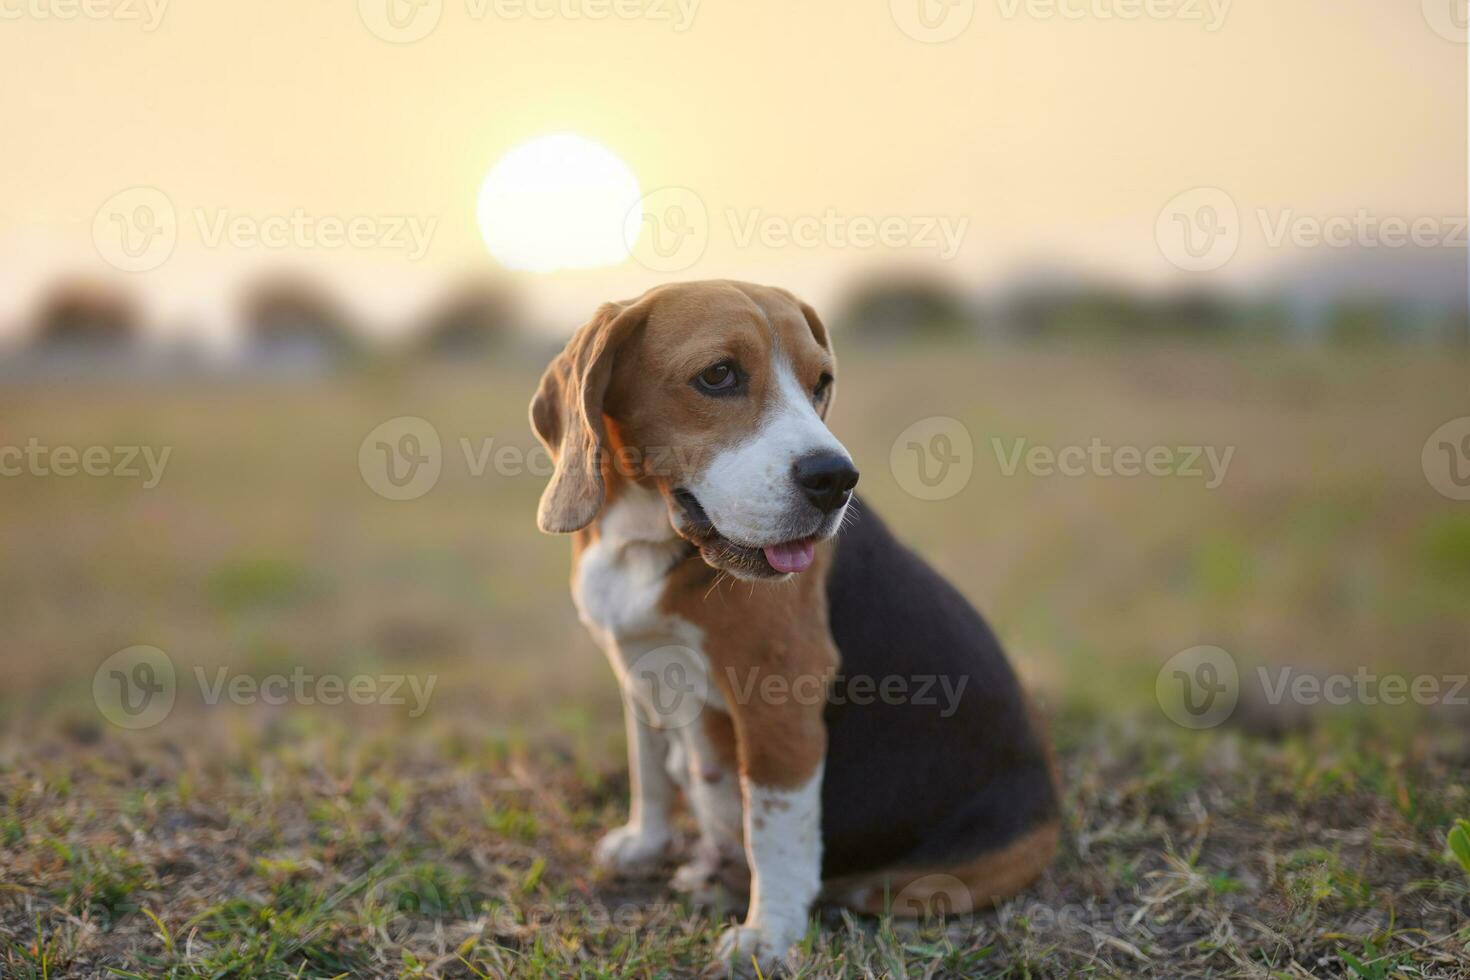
(826, 478)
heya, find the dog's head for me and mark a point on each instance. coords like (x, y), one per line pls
(715, 393)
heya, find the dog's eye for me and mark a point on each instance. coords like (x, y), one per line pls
(823, 383)
(719, 377)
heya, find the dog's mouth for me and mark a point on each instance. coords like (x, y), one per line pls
(751, 561)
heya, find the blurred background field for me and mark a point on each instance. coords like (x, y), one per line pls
(263, 542)
(241, 245)
(363, 839)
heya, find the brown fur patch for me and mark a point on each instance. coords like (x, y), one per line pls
(970, 886)
(762, 643)
(721, 734)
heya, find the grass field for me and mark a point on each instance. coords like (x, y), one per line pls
(450, 835)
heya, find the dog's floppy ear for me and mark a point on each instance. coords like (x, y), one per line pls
(567, 416)
(819, 331)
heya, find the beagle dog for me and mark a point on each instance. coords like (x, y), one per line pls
(780, 654)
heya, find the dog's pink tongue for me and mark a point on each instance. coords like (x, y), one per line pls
(791, 556)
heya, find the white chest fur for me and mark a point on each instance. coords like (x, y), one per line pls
(619, 584)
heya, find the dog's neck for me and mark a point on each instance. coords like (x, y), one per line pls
(636, 517)
(622, 565)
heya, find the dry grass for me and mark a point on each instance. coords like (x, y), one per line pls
(317, 841)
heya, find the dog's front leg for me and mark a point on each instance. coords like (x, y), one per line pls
(640, 842)
(781, 783)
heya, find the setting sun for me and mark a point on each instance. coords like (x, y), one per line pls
(559, 202)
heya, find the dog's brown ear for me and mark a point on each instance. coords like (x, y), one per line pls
(819, 331)
(567, 416)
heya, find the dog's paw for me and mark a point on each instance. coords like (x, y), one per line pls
(630, 848)
(693, 876)
(744, 950)
(701, 868)
(703, 889)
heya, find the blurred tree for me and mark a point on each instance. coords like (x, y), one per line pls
(1454, 328)
(1196, 311)
(474, 319)
(1363, 321)
(292, 319)
(81, 314)
(901, 309)
(1078, 311)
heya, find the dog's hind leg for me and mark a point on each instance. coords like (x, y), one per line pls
(712, 784)
(644, 839)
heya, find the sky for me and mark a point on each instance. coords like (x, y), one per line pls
(797, 142)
